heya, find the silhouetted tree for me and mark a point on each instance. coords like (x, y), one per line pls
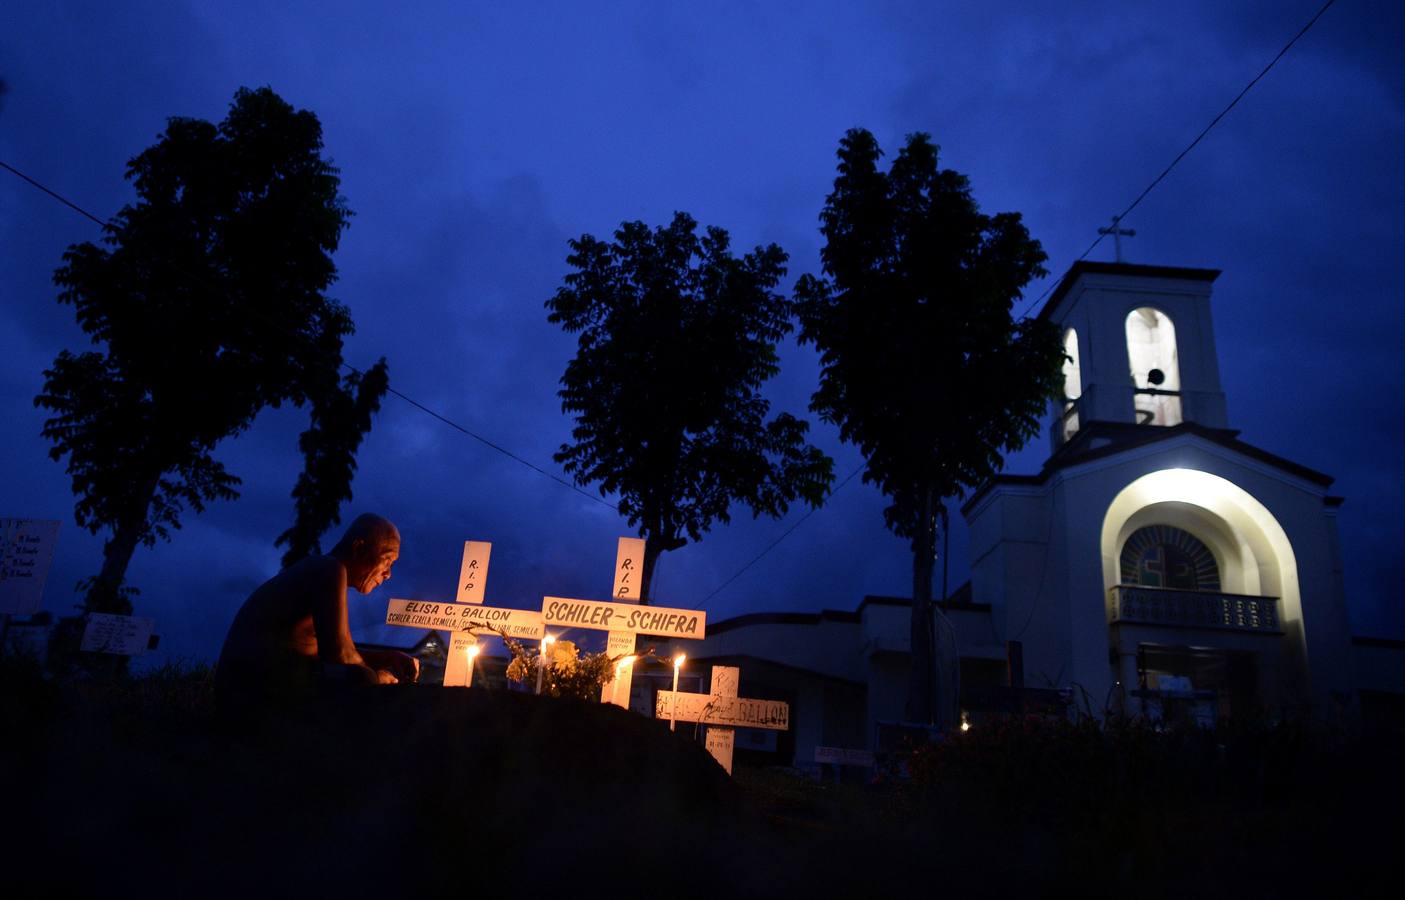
(923, 367)
(207, 304)
(340, 419)
(677, 337)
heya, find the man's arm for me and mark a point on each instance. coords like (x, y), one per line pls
(402, 665)
(331, 623)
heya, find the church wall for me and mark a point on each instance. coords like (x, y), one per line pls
(1083, 500)
(830, 647)
(1013, 555)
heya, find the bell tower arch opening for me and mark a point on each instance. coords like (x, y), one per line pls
(1073, 384)
(1155, 367)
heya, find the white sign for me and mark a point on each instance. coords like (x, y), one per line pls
(26, 549)
(473, 573)
(840, 756)
(525, 624)
(119, 635)
(721, 742)
(603, 616)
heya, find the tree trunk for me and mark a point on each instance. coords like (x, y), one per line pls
(105, 594)
(920, 707)
(653, 549)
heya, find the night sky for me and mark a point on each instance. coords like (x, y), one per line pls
(474, 143)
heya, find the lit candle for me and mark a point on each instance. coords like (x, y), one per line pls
(541, 661)
(673, 711)
(473, 650)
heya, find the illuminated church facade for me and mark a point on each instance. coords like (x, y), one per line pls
(1157, 565)
(1158, 560)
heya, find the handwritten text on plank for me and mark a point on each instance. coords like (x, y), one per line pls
(738, 712)
(515, 623)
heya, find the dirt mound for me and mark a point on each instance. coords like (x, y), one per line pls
(378, 789)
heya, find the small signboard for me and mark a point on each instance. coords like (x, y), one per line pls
(842, 756)
(525, 624)
(735, 712)
(118, 635)
(26, 550)
(604, 616)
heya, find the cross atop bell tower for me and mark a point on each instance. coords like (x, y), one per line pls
(1118, 233)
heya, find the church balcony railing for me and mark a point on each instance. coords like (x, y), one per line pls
(1155, 406)
(1193, 609)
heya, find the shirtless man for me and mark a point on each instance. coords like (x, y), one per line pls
(291, 637)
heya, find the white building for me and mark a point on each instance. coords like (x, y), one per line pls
(1157, 564)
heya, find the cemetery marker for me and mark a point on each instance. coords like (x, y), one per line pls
(464, 619)
(723, 712)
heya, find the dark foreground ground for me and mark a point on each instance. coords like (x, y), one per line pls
(431, 792)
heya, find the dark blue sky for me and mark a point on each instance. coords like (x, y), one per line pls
(474, 143)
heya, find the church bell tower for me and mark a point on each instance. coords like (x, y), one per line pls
(1140, 347)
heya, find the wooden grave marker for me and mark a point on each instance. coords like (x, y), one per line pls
(722, 711)
(464, 619)
(623, 619)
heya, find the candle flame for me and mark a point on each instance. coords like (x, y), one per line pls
(678, 661)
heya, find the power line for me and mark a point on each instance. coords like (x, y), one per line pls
(785, 534)
(482, 440)
(57, 196)
(410, 400)
(1189, 147)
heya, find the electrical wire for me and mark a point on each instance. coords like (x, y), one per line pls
(785, 534)
(1189, 147)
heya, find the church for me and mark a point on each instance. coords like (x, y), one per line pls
(1157, 565)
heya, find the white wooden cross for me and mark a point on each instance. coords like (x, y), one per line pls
(467, 617)
(722, 711)
(623, 619)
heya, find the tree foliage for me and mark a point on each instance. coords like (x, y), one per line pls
(340, 419)
(676, 338)
(923, 367)
(206, 302)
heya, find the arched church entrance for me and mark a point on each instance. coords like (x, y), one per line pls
(1202, 597)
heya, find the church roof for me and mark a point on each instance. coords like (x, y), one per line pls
(960, 599)
(1089, 267)
(1126, 436)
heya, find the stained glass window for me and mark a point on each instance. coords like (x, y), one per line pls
(1169, 557)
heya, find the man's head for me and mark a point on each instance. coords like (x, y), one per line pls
(368, 549)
